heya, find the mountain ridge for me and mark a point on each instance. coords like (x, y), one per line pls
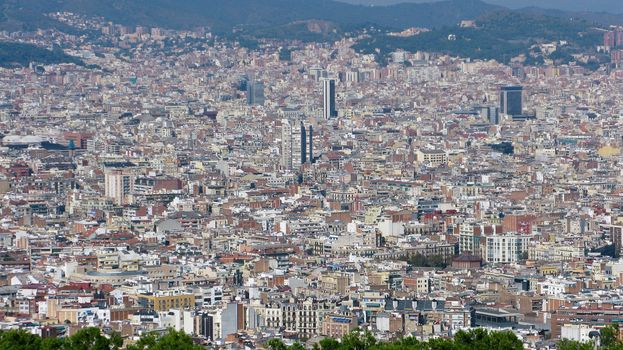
(610, 6)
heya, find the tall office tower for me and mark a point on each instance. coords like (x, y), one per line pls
(286, 144)
(306, 137)
(255, 93)
(117, 185)
(296, 144)
(494, 115)
(328, 99)
(310, 143)
(490, 114)
(511, 100)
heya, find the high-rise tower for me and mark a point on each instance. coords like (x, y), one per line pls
(511, 100)
(328, 99)
(296, 144)
(255, 93)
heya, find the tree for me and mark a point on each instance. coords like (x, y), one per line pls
(329, 344)
(420, 260)
(358, 340)
(474, 339)
(51, 344)
(566, 344)
(176, 340)
(440, 344)
(145, 342)
(92, 339)
(504, 340)
(19, 340)
(276, 344)
(609, 335)
(84, 339)
(170, 340)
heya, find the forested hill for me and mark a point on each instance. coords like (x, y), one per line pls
(223, 15)
(21, 55)
(500, 35)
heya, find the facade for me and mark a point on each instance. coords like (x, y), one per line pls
(118, 185)
(505, 248)
(255, 93)
(297, 144)
(336, 325)
(595, 316)
(491, 114)
(328, 99)
(555, 253)
(164, 301)
(615, 234)
(511, 100)
(432, 157)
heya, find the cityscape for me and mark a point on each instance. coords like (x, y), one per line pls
(431, 181)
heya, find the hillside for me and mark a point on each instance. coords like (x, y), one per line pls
(500, 35)
(21, 55)
(223, 15)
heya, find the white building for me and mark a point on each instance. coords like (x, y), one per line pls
(576, 332)
(505, 248)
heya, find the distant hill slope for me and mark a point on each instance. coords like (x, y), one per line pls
(609, 6)
(222, 15)
(500, 35)
(21, 55)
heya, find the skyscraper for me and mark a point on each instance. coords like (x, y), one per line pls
(286, 144)
(511, 100)
(328, 99)
(490, 114)
(255, 93)
(296, 144)
(306, 150)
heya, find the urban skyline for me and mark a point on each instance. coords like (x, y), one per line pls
(320, 184)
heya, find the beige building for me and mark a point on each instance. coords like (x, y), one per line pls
(335, 282)
(118, 185)
(431, 157)
(337, 326)
(165, 300)
(554, 252)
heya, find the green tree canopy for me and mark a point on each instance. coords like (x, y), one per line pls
(170, 340)
(476, 339)
(19, 340)
(85, 339)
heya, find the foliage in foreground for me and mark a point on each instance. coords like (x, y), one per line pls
(93, 339)
(476, 339)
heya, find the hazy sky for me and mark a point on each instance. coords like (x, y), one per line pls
(612, 6)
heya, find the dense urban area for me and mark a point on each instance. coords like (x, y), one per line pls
(185, 189)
